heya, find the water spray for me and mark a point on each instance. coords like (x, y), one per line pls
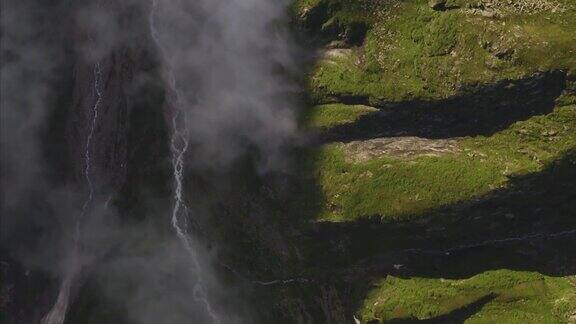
(179, 147)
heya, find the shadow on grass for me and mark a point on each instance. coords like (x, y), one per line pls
(528, 226)
(456, 316)
(478, 111)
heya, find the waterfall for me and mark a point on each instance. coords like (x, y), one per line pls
(57, 313)
(179, 147)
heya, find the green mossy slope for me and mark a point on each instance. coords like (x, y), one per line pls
(392, 187)
(413, 52)
(381, 56)
(503, 296)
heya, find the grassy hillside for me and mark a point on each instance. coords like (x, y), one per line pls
(501, 296)
(392, 186)
(410, 51)
(439, 128)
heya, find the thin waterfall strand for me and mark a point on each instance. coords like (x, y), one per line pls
(179, 147)
(57, 313)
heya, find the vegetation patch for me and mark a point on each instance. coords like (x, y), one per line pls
(389, 186)
(330, 115)
(392, 188)
(526, 7)
(501, 296)
(412, 52)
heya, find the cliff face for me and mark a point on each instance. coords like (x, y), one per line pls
(110, 134)
(101, 89)
(115, 75)
(104, 140)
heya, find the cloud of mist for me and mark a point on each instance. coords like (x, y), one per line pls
(230, 62)
(39, 206)
(28, 60)
(161, 281)
(230, 59)
(33, 211)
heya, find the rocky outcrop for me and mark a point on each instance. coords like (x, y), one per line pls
(397, 147)
(109, 142)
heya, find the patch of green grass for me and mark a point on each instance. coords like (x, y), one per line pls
(440, 38)
(551, 44)
(529, 144)
(330, 115)
(412, 52)
(401, 54)
(519, 297)
(392, 187)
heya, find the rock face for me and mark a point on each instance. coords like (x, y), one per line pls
(405, 147)
(108, 147)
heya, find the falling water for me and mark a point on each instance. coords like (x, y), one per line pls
(57, 314)
(179, 147)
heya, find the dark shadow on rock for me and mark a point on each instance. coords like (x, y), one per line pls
(456, 316)
(482, 110)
